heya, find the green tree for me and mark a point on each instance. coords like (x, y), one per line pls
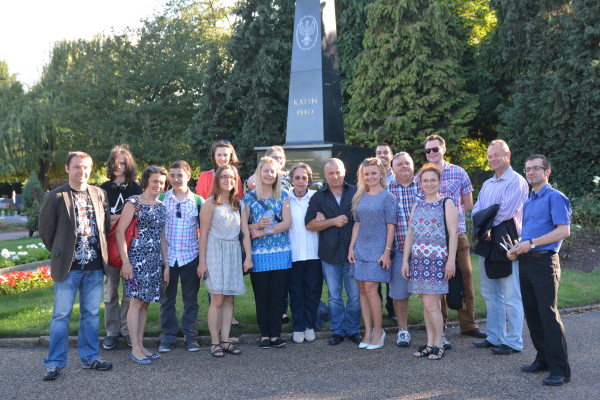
(409, 80)
(11, 102)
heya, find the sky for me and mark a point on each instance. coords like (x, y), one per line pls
(28, 28)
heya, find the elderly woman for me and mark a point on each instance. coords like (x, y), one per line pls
(142, 263)
(271, 250)
(306, 277)
(430, 255)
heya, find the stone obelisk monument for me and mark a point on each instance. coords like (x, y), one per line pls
(315, 128)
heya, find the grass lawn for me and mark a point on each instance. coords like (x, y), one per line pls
(33, 255)
(28, 314)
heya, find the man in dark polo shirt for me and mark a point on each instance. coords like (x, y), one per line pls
(546, 220)
(329, 213)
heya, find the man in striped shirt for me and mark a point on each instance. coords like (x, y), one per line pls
(502, 296)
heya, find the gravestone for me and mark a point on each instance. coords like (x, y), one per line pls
(315, 128)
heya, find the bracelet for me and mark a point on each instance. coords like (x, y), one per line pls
(387, 248)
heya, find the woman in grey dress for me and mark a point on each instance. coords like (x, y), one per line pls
(222, 218)
(374, 210)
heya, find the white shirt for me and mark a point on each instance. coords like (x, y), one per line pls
(305, 243)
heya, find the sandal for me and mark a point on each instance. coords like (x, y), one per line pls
(231, 349)
(423, 351)
(216, 350)
(436, 353)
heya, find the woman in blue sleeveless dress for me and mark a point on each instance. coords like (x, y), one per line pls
(429, 256)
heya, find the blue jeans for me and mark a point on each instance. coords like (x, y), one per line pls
(89, 285)
(504, 307)
(344, 321)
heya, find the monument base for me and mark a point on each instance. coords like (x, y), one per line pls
(316, 155)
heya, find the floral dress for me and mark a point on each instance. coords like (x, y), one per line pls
(429, 249)
(145, 253)
(271, 252)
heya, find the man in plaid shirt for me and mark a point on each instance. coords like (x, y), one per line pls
(456, 185)
(405, 188)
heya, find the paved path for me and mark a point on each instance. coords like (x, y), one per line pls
(14, 235)
(313, 370)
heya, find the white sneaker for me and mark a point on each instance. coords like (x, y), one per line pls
(298, 337)
(403, 338)
(309, 335)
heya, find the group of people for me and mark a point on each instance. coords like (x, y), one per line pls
(395, 227)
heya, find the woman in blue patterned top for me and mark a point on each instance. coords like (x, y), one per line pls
(271, 250)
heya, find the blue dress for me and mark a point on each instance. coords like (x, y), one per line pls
(271, 252)
(429, 249)
(373, 213)
(145, 255)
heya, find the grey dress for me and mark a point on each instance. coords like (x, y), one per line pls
(373, 213)
(224, 252)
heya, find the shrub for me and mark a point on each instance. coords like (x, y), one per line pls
(18, 282)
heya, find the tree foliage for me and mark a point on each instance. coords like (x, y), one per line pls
(409, 80)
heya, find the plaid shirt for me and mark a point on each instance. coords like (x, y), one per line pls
(406, 196)
(181, 233)
(455, 183)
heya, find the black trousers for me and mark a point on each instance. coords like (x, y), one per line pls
(270, 290)
(539, 275)
(305, 287)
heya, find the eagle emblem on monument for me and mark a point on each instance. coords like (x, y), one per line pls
(306, 32)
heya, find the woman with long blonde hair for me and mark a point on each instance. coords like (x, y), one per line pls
(374, 210)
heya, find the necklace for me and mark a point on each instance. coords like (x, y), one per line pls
(300, 196)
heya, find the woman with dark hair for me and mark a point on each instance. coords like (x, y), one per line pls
(374, 210)
(121, 169)
(222, 153)
(429, 256)
(306, 277)
(142, 264)
(222, 218)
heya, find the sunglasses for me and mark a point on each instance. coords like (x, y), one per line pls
(433, 149)
(370, 161)
(178, 210)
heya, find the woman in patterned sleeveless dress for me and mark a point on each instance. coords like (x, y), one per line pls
(142, 266)
(431, 252)
(222, 218)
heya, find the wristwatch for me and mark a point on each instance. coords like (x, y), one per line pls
(531, 243)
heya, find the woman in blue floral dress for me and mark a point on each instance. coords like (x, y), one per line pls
(142, 266)
(271, 250)
(431, 252)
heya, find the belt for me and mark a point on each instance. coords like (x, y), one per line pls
(538, 254)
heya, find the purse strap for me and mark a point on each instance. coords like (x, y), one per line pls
(262, 203)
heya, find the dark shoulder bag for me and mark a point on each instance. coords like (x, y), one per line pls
(456, 288)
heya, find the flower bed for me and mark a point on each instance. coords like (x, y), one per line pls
(22, 281)
(24, 255)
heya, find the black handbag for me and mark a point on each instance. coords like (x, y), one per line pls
(456, 288)
(241, 238)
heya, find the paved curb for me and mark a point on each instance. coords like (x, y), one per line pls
(247, 338)
(25, 267)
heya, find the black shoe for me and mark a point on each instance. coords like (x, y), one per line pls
(52, 372)
(556, 380)
(356, 337)
(336, 339)
(109, 342)
(285, 319)
(484, 345)
(265, 344)
(504, 350)
(475, 333)
(534, 367)
(279, 342)
(99, 365)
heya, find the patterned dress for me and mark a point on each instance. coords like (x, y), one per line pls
(224, 252)
(144, 253)
(271, 252)
(429, 250)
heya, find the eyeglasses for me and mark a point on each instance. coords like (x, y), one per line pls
(178, 208)
(536, 169)
(226, 177)
(433, 149)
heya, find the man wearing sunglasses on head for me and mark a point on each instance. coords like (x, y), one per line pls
(183, 208)
(456, 185)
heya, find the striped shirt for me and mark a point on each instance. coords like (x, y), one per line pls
(455, 183)
(181, 233)
(405, 196)
(509, 191)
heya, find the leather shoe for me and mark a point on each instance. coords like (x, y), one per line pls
(484, 345)
(475, 333)
(356, 337)
(52, 372)
(504, 350)
(336, 339)
(556, 380)
(534, 367)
